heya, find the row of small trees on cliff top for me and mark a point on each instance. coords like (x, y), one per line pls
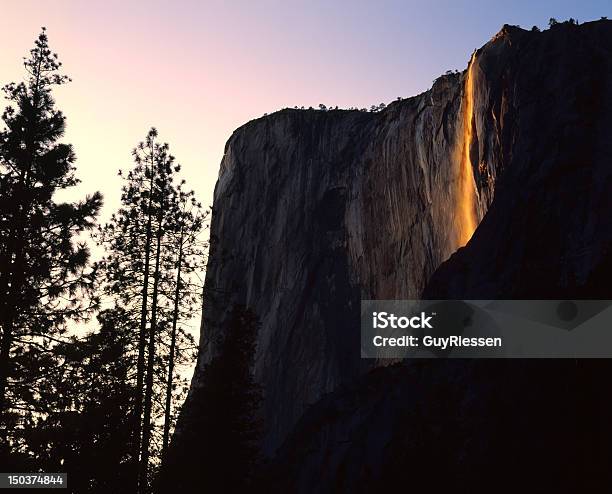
(552, 22)
(322, 107)
(376, 108)
(100, 406)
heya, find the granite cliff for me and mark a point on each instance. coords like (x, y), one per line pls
(316, 210)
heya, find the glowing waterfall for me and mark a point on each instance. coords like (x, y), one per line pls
(467, 187)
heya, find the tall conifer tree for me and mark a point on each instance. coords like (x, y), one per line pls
(45, 280)
(140, 278)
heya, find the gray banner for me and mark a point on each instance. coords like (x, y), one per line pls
(399, 329)
(33, 480)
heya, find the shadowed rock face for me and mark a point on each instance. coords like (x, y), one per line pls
(314, 211)
(492, 426)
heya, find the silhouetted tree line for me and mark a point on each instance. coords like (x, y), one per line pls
(101, 403)
(322, 107)
(147, 275)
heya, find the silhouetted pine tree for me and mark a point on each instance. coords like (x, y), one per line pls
(44, 275)
(218, 445)
(143, 196)
(164, 164)
(140, 277)
(89, 393)
(190, 221)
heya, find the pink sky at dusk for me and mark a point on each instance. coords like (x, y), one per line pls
(198, 70)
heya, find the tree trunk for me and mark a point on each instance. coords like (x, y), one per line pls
(140, 366)
(175, 315)
(5, 350)
(148, 398)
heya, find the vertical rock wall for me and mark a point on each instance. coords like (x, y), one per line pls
(316, 210)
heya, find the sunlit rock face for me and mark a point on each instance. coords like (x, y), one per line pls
(314, 210)
(548, 233)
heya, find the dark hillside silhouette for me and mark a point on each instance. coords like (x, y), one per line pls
(223, 416)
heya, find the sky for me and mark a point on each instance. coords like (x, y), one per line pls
(197, 70)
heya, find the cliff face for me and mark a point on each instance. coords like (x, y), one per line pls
(548, 232)
(314, 210)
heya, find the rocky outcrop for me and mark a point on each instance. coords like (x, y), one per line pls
(507, 425)
(314, 211)
(548, 233)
